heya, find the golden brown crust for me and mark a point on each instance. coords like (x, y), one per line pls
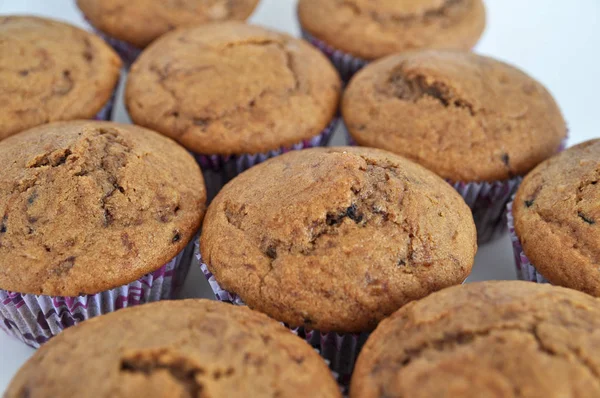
(51, 71)
(87, 206)
(556, 214)
(191, 348)
(464, 116)
(336, 239)
(233, 88)
(372, 29)
(489, 339)
(139, 22)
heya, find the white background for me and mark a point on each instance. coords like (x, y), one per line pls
(557, 42)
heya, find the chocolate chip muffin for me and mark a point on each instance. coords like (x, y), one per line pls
(96, 212)
(352, 33)
(186, 348)
(336, 239)
(469, 118)
(370, 29)
(139, 22)
(230, 89)
(555, 218)
(51, 71)
(489, 339)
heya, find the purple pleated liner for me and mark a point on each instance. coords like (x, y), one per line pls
(340, 351)
(346, 64)
(128, 52)
(106, 113)
(36, 319)
(525, 270)
(218, 170)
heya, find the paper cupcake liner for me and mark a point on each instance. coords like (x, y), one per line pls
(128, 52)
(525, 270)
(346, 64)
(488, 201)
(36, 319)
(339, 350)
(106, 113)
(218, 170)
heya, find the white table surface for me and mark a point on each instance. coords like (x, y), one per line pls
(556, 42)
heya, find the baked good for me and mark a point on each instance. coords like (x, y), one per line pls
(488, 339)
(555, 218)
(336, 239)
(51, 71)
(185, 348)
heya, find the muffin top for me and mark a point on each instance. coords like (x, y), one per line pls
(464, 116)
(51, 71)
(489, 339)
(371, 29)
(139, 22)
(233, 88)
(89, 206)
(336, 239)
(556, 212)
(190, 348)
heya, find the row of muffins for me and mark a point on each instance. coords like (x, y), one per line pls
(236, 94)
(499, 339)
(330, 241)
(339, 217)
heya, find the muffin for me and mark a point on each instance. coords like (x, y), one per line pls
(51, 71)
(336, 239)
(555, 213)
(234, 94)
(488, 339)
(131, 25)
(94, 217)
(191, 348)
(479, 123)
(354, 33)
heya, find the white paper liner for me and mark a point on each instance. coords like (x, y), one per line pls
(340, 351)
(525, 270)
(35, 319)
(346, 64)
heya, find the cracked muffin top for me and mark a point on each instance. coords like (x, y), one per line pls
(336, 239)
(487, 339)
(557, 211)
(371, 29)
(51, 71)
(233, 88)
(189, 348)
(139, 22)
(464, 116)
(89, 206)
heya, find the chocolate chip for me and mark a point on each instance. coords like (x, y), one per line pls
(201, 122)
(506, 159)
(352, 214)
(402, 263)
(108, 217)
(529, 203)
(32, 198)
(586, 218)
(176, 237)
(23, 72)
(2, 228)
(272, 252)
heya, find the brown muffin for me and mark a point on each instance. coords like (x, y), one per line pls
(336, 239)
(89, 206)
(464, 116)
(556, 213)
(191, 348)
(489, 339)
(139, 22)
(371, 29)
(233, 88)
(51, 71)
